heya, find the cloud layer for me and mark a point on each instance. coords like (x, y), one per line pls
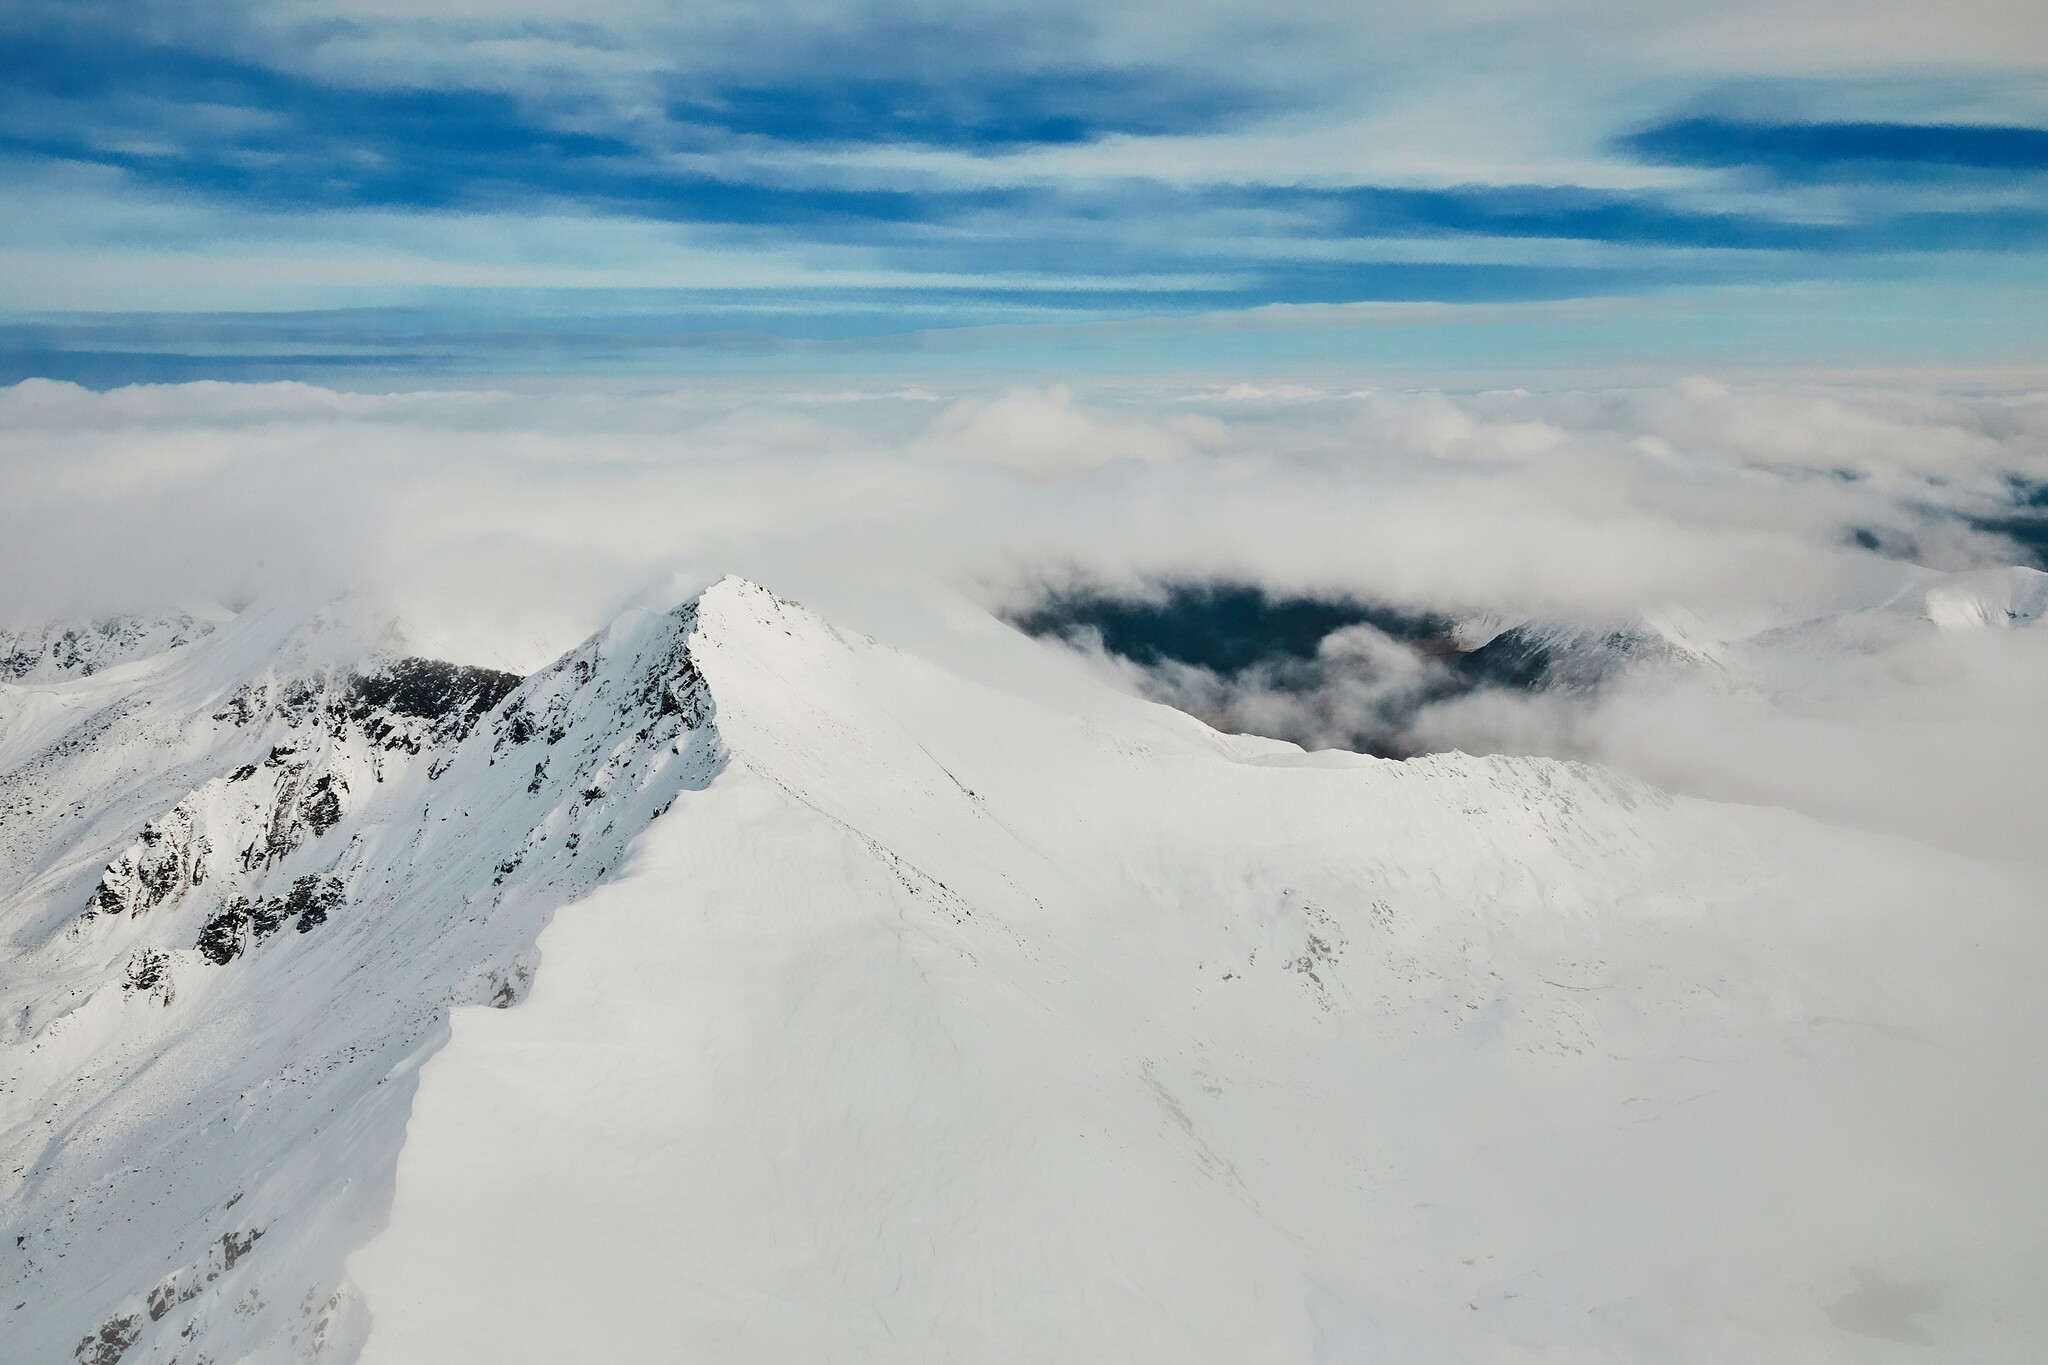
(1781, 542)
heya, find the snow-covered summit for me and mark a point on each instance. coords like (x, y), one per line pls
(900, 1017)
(941, 1024)
(2006, 598)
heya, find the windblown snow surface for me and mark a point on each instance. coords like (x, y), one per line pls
(895, 1016)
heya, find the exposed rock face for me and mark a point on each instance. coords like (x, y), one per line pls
(263, 812)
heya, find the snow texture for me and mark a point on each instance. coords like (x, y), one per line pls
(899, 1017)
(941, 1026)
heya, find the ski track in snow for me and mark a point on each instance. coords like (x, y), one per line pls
(903, 1019)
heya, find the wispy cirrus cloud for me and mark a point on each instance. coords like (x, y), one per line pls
(967, 156)
(987, 83)
(221, 128)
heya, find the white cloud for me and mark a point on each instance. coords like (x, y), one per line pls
(1043, 433)
(509, 524)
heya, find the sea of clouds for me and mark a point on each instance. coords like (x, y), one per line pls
(1783, 540)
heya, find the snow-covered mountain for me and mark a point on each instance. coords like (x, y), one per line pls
(82, 648)
(2001, 599)
(897, 1016)
(245, 881)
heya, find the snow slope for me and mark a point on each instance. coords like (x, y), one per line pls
(243, 882)
(906, 1018)
(932, 1024)
(1996, 598)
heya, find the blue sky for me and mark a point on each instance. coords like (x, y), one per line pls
(358, 187)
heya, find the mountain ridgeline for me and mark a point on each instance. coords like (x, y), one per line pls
(208, 1023)
(737, 987)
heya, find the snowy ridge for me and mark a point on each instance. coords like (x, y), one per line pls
(939, 1025)
(899, 1017)
(210, 1042)
(80, 649)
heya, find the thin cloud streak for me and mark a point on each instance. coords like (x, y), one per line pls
(1840, 150)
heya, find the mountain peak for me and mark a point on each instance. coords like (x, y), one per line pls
(916, 1018)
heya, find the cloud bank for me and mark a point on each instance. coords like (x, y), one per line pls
(1825, 573)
